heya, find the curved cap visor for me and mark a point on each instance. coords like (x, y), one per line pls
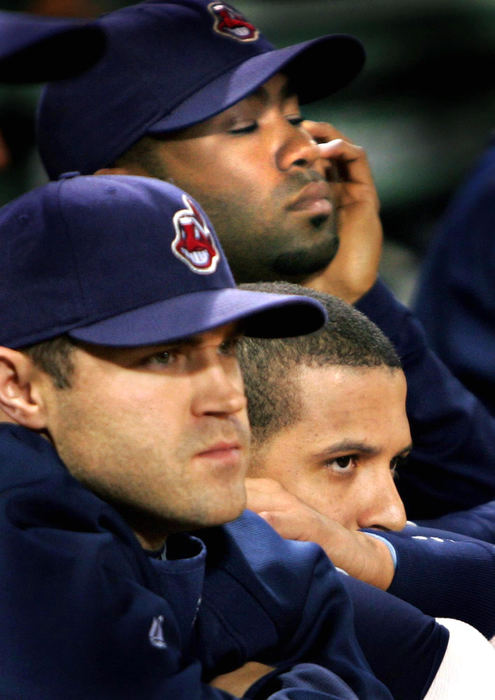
(37, 49)
(263, 315)
(341, 55)
(131, 93)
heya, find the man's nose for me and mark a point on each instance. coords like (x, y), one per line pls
(219, 390)
(298, 150)
(382, 507)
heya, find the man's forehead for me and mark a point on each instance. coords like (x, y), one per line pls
(330, 386)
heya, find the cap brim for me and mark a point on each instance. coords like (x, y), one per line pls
(339, 57)
(38, 49)
(264, 315)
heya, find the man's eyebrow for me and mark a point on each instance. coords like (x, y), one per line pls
(355, 446)
(196, 340)
(346, 446)
(192, 341)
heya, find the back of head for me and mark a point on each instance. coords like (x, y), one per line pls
(348, 339)
(170, 64)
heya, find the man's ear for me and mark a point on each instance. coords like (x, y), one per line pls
(21, 395)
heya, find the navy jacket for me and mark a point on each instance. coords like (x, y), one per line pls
(446, 574)
(452, 465)
(392, 633)
(455, 299)
(85, 613)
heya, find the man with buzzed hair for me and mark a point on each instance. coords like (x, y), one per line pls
(348, 374)
(329, 434)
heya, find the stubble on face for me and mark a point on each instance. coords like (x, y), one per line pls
(138, 450)
(247, 201)
(263, 240)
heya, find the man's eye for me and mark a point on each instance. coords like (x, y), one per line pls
(295, 120)
(245, 128)
(162, 358)
(343, 464)
(229, 346)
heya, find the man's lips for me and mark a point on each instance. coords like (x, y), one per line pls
(222, 451)
(314, 198)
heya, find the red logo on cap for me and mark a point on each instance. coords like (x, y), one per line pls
(230, 22)
(193, 242)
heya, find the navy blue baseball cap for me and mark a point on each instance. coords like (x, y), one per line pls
(36, 49)
(125, 261)
(171, 64)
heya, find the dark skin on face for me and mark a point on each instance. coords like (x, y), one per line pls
(277, 189)
(261, 179)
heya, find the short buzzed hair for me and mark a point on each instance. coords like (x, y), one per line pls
(54, 357)
(145, 155)
(269, 367)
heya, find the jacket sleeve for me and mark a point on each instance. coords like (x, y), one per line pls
(394, 634)
(451, 466)
(301, 682)
(477, 522)
(445, 575)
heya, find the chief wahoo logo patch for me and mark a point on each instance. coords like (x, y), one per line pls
(230, 22)
(193, 242)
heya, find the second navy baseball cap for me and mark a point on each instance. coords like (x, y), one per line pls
(125, 261)
(171, 64)
(36, 49)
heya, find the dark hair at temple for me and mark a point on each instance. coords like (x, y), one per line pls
(53, 357)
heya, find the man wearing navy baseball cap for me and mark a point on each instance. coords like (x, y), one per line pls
(192, 92)
(119, 321)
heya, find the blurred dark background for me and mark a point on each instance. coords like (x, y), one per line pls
(423, 107)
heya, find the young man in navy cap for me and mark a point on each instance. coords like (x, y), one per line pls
(223, 121)
(117, 367)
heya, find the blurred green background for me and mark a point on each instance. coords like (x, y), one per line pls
(423, 107)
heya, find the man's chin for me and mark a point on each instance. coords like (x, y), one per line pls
(298, 265)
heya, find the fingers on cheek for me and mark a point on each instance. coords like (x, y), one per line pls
(354, 192)
(321, 133)
(332, 171)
